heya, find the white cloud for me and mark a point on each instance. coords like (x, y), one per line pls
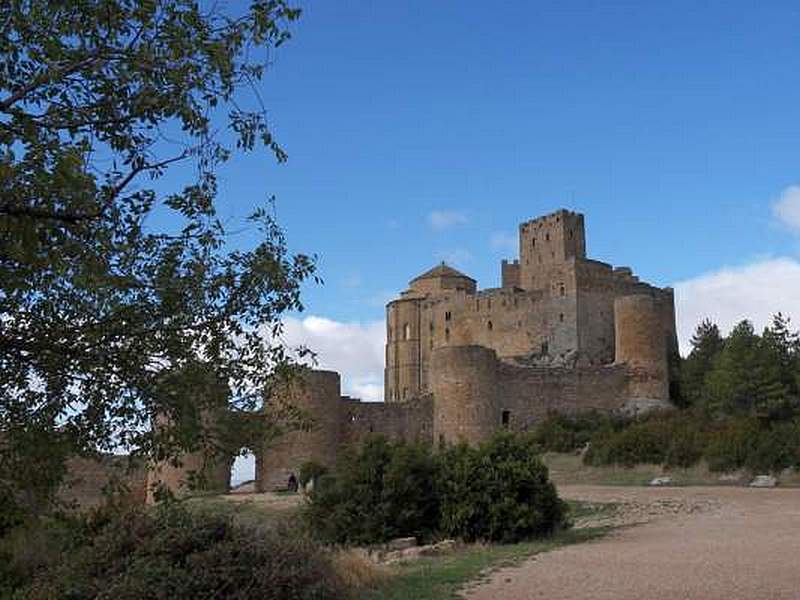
(504, 241)
(755, 292)
(787, 207)
(444, 219)
(355, 350)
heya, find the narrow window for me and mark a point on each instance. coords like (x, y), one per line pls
(533, 243)
(406, 331)
(561, 317)
(571, 234)
(431, 326)
(545, 347)
(447, 315)
(447, 335)
(506, 418)
(490, 326)
(563, 290)
(547, 237)
(389, 334)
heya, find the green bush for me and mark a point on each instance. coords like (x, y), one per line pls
(378, 492)
(311, 471)
(499, 491)
(730, 444)
(776, 448)
(561, 433)
(173, 553)
(673, 440)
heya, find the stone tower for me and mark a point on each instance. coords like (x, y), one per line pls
(547, 242)
(407, 332)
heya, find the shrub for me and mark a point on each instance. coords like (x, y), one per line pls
(499, 491)
(686, 446)
(560, 433)
(671, 440)
(378, 492)
(311, 471)
(730, 444)
(776, 448)
(173, 553)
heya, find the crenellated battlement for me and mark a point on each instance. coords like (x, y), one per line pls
(563, 333)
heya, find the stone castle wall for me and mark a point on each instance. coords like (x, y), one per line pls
(563, 334)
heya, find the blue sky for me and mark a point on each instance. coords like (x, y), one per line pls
(426, 130)
(419, 131)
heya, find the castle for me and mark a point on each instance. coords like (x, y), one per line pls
(563, 333)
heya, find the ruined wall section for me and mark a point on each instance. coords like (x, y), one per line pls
(338, 422)
(88, 478)
(528, 394)
(410, 421)
(476, 394)
(318, 394)
(598, 287)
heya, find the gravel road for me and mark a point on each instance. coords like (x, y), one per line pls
(695, 543)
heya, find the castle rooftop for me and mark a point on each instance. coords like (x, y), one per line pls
(442, 270)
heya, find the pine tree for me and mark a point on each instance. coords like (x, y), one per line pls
(707, 343)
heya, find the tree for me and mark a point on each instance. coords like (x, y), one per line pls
(746, 377)
(100, 294)
(706, 343)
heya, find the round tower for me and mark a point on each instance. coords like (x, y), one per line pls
(317, 394)
(642, 345)
(403, 374)
(464, 394)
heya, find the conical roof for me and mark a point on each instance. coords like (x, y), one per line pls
(442, 270)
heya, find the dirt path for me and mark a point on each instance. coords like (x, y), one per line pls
(696, 544)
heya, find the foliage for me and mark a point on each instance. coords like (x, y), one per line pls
(707, 342)
(311, 471)
(499, 491)
(174, 553)
(375, 493)
(107, 276)
(674, 440)
(731, 443)
(744, 373)
(562, 433)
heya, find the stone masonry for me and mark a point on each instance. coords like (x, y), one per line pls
(563, 333)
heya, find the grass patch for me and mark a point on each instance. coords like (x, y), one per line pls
(439, 578)
(261, 511)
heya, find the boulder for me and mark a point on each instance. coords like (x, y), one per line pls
(764, 481)
(661, 481)
(398, 544)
